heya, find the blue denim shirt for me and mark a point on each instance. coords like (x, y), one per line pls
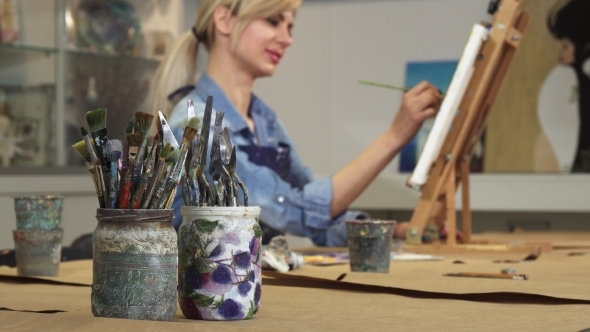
(299, 206)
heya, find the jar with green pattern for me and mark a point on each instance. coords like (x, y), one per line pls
(135, 263)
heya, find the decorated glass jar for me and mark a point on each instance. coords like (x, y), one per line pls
(135, 263)
(219, 276)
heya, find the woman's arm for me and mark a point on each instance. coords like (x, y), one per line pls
(418, 104)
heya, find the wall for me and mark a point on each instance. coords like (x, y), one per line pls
(332, 118)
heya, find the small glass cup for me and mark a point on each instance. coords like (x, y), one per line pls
(369, 244)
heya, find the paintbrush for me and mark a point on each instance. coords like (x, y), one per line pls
(149, 146)
(389, 86)
(142, 123)
(206, 196)
(158, 172)
(155, 153)
(145, 175)
(191, 164)
(125, 153)
(82, 151)
(133, 142)
(159, 191)
(98, 174)
(190, 132)
(97, 121)
(115, 148)
(489, 275)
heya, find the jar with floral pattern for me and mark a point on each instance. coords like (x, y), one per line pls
(219, 272)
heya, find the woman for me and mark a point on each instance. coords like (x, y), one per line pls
(245, 41)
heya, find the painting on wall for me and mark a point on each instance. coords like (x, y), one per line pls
(541, 119)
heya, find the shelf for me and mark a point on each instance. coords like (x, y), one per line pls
(106, 56)
(19, 48)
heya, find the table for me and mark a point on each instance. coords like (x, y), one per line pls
(414, 296)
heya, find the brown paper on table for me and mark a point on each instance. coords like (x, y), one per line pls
(283, 279)
(74, 273)
(301, 309)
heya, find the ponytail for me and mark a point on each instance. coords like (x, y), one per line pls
(177, 69)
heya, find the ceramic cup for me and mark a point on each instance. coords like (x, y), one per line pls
(219, 275)
(369, 244)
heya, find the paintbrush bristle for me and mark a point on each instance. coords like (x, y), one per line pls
(115, 148)
(129, 128)
(194, 122)
(97, 119)
(166, 151)
(134, 139)
(189, 134)
(83, 131)
(81, 149)
(173, 156)
(143, 122)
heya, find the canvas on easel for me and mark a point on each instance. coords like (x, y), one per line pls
(443, 166)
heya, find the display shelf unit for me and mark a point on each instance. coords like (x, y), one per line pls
(75, 78)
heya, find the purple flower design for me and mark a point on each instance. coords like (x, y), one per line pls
(231, 237)
(242, 260)
(244, 288)
(251, 276)
(222, 275)
(257, 293)
(254, 246)
(230, 309)
(216, 251)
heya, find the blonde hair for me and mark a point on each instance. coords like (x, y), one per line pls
(179, 67)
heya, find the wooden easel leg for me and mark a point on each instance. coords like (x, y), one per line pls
(466, 211)
(451, 224)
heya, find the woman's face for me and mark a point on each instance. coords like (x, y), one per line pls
(263, 43)
(567, 55)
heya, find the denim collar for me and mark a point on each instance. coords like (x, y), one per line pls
(207, 86)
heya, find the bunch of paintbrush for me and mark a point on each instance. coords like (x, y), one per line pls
(196, 190)
(143, 171)
(122, 173)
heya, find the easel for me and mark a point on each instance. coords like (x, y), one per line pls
(451, 168)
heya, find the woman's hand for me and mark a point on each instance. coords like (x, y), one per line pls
(418, 104)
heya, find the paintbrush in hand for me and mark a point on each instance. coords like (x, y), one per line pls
(389, 86)
(97, 121)
(115, 148)
(82, 151)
